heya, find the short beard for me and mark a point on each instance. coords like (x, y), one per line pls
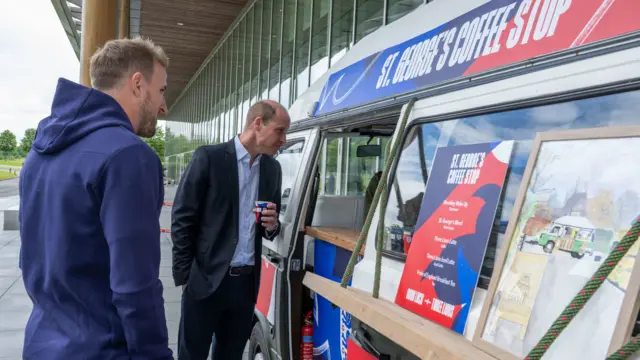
(147, 126)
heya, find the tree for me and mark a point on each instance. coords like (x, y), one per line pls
(540, 178)
(8, 142)
(157, 143)
(27, 140)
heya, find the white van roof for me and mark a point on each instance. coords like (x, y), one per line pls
(576, 221)
(423, 19)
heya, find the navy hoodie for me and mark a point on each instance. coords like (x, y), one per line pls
(91, 192)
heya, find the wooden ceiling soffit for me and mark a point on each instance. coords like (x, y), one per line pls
(187, 30)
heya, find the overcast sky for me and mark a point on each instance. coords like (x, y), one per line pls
(32, 58)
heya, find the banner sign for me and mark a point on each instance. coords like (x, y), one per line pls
(451, 234)
(498, 33)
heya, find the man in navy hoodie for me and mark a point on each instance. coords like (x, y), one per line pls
(91, 192)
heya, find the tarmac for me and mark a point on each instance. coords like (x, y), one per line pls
(15, 305)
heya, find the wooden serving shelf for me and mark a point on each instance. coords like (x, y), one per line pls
(421, 337)
(340, 237)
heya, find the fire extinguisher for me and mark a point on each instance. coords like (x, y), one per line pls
(306, 351)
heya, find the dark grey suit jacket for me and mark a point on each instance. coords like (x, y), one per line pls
(204, 226)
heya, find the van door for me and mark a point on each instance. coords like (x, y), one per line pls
(293, 157)
(296, 160)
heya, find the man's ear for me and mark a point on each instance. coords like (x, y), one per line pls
(136, 84)
(258, 123)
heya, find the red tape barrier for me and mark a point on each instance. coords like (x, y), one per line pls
(167, 204)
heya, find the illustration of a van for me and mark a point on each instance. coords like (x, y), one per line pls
(573, 234)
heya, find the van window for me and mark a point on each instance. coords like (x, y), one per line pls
(349, 168)
(343, 173)
(290, 158)
(421, 142)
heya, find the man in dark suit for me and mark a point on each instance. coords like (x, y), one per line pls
(217, 242)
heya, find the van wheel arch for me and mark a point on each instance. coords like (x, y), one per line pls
(548, 247)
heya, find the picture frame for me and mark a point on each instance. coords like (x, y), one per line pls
(555, 241)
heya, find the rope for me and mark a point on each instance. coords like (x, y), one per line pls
(584, 295)
(627, 350)
(391, 151)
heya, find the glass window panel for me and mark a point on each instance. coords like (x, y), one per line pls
(200, 106)
(249, 50)
(290, 159)
(400, 8)
(216, 105)
(241, 65)
(319, 53)
(237, 101)
(341, 29)
(246, 80)
(302, 47)
(360, 170)
(288, 33)
(274, 63)
(225, 91)
(265, 47)
(329, 160)
(368, 17)
(212, 100)
(255, 52)
(233, 81)
(203, 101)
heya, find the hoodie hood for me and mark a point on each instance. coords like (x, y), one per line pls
(76, 112)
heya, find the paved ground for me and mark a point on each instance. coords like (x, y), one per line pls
(15, 305)
(9, 188)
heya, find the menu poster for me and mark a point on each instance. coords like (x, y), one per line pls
(452, 231)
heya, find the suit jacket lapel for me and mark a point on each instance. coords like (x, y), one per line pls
(233, 180)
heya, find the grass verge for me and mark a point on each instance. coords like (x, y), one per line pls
(13, 162)
(4, 175)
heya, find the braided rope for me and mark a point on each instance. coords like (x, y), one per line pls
(391, 151)
(627, 350)
(585, 294)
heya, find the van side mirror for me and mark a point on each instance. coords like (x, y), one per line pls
(369, 151)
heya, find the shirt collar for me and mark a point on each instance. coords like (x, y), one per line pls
(241, 152)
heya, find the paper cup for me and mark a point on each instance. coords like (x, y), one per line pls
(260, 207)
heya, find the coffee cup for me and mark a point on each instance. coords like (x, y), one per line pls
(260, 207)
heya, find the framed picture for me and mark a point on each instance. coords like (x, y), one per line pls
(580, 194)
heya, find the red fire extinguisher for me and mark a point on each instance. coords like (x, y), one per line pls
(306, 351)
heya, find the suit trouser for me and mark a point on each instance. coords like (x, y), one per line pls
(228, 313)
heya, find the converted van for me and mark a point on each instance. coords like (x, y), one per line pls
(459, 72)
(573, 234)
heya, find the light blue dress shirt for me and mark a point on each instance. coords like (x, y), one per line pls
(248, 180)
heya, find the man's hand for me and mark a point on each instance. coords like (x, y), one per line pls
(270, 217)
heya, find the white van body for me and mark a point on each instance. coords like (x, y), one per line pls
(595, 70)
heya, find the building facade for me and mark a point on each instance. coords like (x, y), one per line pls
(274, 50)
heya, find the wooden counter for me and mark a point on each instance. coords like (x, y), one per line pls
(340, 237)
(423, 338)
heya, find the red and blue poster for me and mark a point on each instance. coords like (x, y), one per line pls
(451, 234)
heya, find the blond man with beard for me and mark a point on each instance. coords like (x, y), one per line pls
(90, 197)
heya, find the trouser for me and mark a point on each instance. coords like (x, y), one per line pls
(228, 314)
